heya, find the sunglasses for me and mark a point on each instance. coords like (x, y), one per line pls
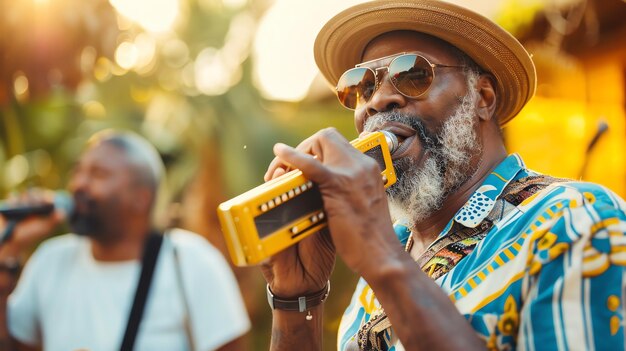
(410, 74)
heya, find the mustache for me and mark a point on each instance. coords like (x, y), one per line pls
(429, 140)
(83, 200)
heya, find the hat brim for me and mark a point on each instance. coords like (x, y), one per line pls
(341, 42)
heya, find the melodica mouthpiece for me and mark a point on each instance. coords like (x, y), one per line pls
(392, 141)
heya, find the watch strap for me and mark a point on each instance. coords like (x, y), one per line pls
(300, 304)
(10, 265)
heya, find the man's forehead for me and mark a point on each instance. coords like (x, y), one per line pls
(395, 42)
(381, 61)
(104, 154)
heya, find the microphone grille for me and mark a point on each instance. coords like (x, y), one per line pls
(392, 141)
(64, 202)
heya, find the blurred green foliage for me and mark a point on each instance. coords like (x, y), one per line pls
(75, 88)
(516, 16)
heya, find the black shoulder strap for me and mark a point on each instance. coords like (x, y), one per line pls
(150, 254)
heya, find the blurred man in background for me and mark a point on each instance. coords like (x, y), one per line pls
(495, 255)
(76, 291)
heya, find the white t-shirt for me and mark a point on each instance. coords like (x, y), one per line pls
(66, 300)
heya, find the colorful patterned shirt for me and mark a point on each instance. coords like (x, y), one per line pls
(549, 273)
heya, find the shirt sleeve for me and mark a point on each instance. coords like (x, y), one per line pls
(23, 305)
(217, 311)
(577, 278)
(363, 303)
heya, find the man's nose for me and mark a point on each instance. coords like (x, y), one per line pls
(78, 181)
(385, 98)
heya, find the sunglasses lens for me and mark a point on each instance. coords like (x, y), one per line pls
(411, 75)
(355, 87)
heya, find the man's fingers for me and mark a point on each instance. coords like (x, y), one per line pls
(310, 165)
(310, 145)
(278, 172)
(275, 165)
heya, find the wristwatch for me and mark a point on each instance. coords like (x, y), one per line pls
(300, 304)
(10, 265)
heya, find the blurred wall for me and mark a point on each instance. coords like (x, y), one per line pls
(575, 127)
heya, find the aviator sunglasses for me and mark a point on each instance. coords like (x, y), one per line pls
(410, 74)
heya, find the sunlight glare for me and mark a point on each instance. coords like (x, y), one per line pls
(283, 49)
(211, 73)
(153, 15)
(146, 50)
(234, 4)
(16, 170)
(284, 67)
(20, 84)
(126, 55)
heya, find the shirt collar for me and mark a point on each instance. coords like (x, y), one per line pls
(484, 198)
(481, 201)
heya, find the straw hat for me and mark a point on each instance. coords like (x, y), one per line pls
(341, 42)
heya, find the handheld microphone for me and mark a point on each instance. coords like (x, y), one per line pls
(62, 200)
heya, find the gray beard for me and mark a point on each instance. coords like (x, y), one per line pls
(420, 191)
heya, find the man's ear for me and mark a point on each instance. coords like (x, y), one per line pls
(486, 105)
